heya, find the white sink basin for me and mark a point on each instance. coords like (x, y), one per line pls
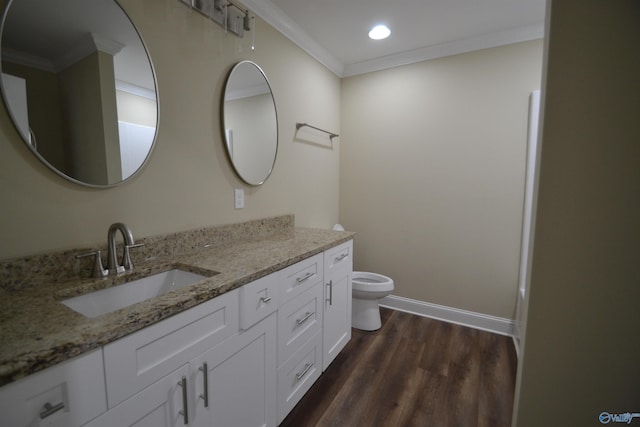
(107, 300)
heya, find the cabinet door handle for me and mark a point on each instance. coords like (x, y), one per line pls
(305, 277)
(330, 285)
(307, 315)
(341, 257)
(50, 409)
(205, 379)
(307, 366)
(265, 299)
(185, 409)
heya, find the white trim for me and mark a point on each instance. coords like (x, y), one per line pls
(28, 60)
(135, 90)
(484, 322)
(275, 17)
(246, 92)
(446, 49)
(278, 19)
(84, 47)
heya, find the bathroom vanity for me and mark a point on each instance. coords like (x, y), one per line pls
(239, 348)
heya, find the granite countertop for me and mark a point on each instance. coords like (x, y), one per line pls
(37, 331)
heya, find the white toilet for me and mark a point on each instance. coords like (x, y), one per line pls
(368, 288)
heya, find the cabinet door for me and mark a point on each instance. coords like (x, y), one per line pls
(65, 395)
(239, 387)
(338, 269)
(162, 404)
(138, 360)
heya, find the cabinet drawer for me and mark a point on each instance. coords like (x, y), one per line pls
(298, 321)
(75, 386)
(339, 257)
(298, 374)
(258, 299)
(299, 277)
(137, 360)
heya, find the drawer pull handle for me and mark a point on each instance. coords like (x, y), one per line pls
(341, 257)
(307, 366)
(265, 299)
(205, 373)
(50, 410)
(185, 411)
(305, 278)
(330, 285)
(307, 315)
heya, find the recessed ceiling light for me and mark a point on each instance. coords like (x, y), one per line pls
(379, 32)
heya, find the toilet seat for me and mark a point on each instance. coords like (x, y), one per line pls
(368, 289)
(366, 281)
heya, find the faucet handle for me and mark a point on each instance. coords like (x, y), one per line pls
(98, 270)
(127, 263)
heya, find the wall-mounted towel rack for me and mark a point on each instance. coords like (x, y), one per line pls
(331, 134)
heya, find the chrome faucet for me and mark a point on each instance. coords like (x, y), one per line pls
(112, 263)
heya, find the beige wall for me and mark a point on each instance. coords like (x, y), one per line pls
(88, 88)
(136, 109)
(581, 348)
(188, 182)
(253, 161)
(432, 174)
(45, 115)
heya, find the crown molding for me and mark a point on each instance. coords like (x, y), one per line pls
(246, 92)
(275, 17)
(83, 47)
(278, 19)
(485, 41)
(28, 60)
(135, 90)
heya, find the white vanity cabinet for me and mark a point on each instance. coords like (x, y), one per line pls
(161, 404)
(68, 394)
(140, 359)
(244, 359)
(235, 381)
(338, 270)
(299, 331)
(230, 385)
(314, 320)
(199, 367)
(148, 372)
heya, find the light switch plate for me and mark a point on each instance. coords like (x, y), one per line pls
(239, 198)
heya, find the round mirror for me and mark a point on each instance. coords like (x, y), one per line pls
(79, 86)
(250, 123)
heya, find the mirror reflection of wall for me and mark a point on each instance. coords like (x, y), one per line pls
(90, 89)
(250, 123)
(137, 122)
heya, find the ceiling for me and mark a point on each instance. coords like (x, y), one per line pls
(50, 35)
(335, 31)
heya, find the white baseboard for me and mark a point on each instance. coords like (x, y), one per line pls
(498, 325)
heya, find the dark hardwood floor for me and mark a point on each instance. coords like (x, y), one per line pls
(414, 371)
